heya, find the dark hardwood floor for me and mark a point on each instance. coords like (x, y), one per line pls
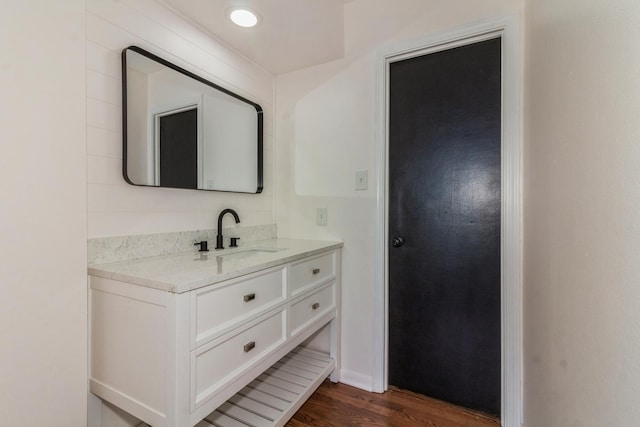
(339, 405)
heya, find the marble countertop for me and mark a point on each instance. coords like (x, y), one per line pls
(186, 271)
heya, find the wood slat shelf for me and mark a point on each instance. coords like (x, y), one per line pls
(271, 399)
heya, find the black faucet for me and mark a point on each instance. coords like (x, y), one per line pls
(219, 242)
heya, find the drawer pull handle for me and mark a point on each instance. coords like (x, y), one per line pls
(249, 297)
(315, 306)
(248, 347)
(316, 271)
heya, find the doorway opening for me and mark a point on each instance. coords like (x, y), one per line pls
(176, 148)
(444, 225)
(510, 204)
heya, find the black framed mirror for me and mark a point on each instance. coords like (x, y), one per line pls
(183, 131)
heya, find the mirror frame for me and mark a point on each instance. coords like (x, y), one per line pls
(189, 74)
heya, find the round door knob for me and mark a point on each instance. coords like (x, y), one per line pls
(397, 241)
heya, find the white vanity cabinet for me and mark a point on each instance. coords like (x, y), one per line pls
(219, 353)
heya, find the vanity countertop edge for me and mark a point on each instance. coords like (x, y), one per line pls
(187, 271)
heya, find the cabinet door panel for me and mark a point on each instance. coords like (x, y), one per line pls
(306, 311)
(218, 308)
(217, 364)
(306, 274)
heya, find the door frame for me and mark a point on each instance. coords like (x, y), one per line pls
(508, 29)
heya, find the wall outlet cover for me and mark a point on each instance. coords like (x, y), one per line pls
(362, 180)
(321, 216)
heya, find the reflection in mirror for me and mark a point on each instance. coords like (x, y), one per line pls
(182, 131)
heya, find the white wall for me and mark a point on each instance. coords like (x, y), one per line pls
(43, 297)
(582, 210)
(325, 131)
(116, 208)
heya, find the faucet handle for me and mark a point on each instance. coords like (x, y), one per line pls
(203, 246)
(234, 242)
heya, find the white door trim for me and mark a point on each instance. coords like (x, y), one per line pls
(511, 229)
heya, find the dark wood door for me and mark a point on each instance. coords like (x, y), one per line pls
(179, 149)
(444, 202)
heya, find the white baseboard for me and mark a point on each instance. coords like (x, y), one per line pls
(355, 379)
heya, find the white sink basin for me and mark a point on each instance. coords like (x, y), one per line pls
(248, 253)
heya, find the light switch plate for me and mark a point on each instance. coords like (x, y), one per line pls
(321, 216)
(362, 180)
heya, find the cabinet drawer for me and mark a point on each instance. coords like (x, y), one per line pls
(218, 308)
(308, 273)
(214, 364)
(307, 310)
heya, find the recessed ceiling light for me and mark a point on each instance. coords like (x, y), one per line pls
(244, 17)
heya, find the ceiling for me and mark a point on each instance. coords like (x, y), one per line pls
(292, 34)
